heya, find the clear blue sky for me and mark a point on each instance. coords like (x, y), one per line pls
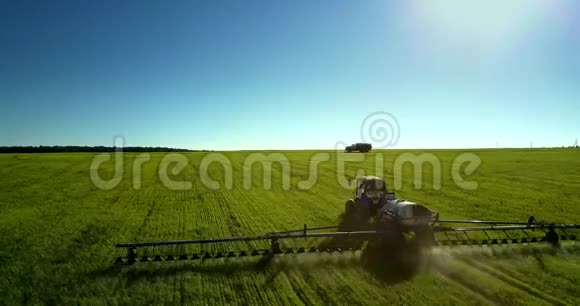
(289, 74)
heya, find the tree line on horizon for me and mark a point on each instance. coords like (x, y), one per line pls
(91, 149)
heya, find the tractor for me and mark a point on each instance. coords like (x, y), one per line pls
(374, 206)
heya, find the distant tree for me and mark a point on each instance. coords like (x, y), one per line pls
(93, 149)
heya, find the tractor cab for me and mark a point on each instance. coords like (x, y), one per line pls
(371, 191)
(371, 187)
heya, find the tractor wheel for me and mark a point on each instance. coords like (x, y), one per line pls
(363, 216)
(351, 220)
(349, 207)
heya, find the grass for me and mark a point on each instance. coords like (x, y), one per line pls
(57, 232)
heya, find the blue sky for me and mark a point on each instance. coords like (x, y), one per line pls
(289, 75)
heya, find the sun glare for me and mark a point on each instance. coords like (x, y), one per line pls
(489, 24)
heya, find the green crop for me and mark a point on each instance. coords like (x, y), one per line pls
(58, 231)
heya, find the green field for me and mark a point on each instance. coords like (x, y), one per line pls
(57, 232)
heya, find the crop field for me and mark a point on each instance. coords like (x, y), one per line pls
(58, 230)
